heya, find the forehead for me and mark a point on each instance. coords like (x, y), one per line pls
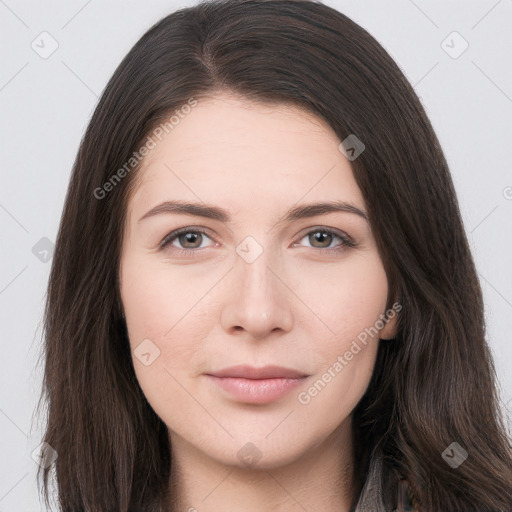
(233, 151)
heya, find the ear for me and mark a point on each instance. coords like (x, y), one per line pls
(390, 320)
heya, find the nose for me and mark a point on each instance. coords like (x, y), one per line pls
(258, 300)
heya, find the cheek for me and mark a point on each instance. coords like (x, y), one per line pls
(167, 313)
(344, 300)
(345, 339)
(168, 308)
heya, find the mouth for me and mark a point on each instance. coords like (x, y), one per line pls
(257, 385)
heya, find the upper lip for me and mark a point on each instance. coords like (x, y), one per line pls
(265, 372)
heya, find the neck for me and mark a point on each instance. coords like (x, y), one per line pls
(321, 478)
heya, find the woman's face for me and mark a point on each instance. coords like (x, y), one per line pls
(254, 279)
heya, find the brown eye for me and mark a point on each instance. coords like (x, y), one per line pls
(184, 240)
(324, 238)
(190, 240)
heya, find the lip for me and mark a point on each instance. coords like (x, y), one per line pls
(257, 385)
(265, 372)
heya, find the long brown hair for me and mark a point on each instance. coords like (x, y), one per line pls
(434, 385)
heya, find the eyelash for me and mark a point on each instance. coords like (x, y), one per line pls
(347, 241)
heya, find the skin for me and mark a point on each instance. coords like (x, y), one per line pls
(295, 305)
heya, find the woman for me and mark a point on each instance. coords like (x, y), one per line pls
(258, 370)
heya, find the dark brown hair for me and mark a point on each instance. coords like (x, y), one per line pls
(434, 385)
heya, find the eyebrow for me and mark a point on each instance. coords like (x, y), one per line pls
(218, 213)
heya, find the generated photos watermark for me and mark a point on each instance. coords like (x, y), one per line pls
(304, 397)
(150, 144)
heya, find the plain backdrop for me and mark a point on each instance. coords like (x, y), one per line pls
(453, 52)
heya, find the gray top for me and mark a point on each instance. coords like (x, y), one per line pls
(370, 499)
(374, 499)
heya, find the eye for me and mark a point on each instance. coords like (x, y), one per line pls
(188, 239)
(321, 238)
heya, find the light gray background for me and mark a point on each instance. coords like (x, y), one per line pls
(47, 103)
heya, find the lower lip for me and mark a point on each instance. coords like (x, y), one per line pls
(256, 391)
